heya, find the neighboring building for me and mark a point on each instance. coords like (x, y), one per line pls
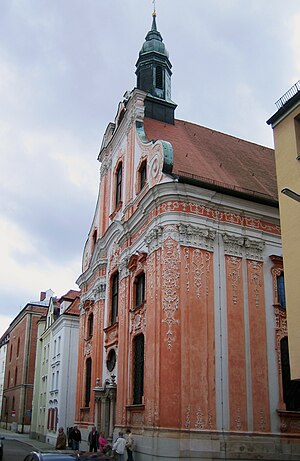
(55, 378)
(3, 350)
(20, 365)
(286, 125)
(179, 326)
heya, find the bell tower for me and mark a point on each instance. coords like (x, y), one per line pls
(153, 70)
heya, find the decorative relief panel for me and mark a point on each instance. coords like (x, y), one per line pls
(188, 417)
(256, 275)
(201, 268)
(105, 166)
(170, 285)
(234, 275)
(138, 320)
(237, 245)
(186, 234)
(123, 268)
(196, 236)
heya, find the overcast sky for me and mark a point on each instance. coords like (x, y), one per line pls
(65, 65)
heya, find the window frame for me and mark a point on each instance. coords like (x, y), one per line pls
(118, 184)
(139, 289)
(138, 369)
(114, 297)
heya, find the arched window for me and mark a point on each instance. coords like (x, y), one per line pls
(291, 389)
(16, 375)
(90, 325)
(11, 351)
(140, 289)
(18, 347)
(114, 297)
(119, 185)
(138, 371)
(159, 77)
(8, 378)
(88, 381)
(13, 403)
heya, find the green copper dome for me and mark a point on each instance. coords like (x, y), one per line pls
(154, 42)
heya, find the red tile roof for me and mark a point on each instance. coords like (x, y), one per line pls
(70, 295)
(217, 159)
(74, 307)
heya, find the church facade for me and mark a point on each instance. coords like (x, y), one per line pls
(181, 315)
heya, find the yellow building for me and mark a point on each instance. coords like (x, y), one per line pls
(286, 125)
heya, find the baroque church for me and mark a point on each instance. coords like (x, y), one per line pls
(182, 313)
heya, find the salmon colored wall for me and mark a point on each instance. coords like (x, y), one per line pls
(198, 348)
(258, 346)
(236, 344)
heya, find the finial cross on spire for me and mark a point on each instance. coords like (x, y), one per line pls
(154, 8)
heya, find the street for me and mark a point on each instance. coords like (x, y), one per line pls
(15, 450)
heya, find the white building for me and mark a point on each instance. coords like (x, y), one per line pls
(55, 377)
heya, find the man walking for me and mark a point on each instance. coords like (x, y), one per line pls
(93, 439)
(119, 447)
(76, 438)
(129, 445)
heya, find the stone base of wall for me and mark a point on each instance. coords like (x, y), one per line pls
(164, 445)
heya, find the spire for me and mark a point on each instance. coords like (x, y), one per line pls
(154, 17)
(153, 70)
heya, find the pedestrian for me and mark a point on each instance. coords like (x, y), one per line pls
(69, 432)
(119, 447)
(93, 439)
(61, 441)
(76, 438)
(129, 444)
(103, 443)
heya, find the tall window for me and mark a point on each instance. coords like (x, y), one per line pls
(88, 381)
(291, 389)
(16, 375)
(281, 290)
(159, 77)
(18, 347)
(90, 325)
(114, 297)
(138, 371)
(10, 354)
(119, 184)
(140, 289)
(143, 174)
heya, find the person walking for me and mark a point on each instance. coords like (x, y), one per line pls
(129, 444)
(93, 439)
(119, 447)
(103, 443)
(76, 438)
(61, 441)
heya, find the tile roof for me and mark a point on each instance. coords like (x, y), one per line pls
(218, 160)
(74, 307)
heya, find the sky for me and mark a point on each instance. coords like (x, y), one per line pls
(64, 67)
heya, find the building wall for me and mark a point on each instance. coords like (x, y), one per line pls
(287, 148)
(3, 351)
(20, 366)
(209, 318)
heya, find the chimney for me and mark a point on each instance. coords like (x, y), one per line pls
(42, 295)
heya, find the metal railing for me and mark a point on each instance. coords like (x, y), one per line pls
(288, 95)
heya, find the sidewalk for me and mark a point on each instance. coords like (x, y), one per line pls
(40, 446)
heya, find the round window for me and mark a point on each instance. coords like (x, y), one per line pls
(111, 360)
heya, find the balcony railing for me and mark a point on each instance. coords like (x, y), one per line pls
(288, 95)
